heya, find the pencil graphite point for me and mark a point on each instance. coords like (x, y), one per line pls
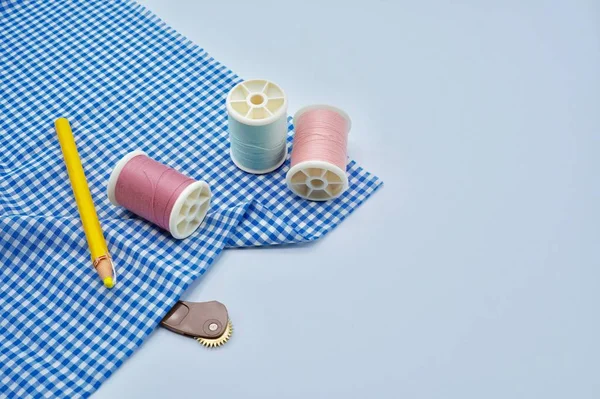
(108, 282)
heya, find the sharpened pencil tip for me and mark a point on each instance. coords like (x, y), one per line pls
(108, 282)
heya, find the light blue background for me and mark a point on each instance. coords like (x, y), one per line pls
(474, 272)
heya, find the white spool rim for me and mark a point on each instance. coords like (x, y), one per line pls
(268, 90)
(190, 207)
(116, 172)
(312, 180)
(341, 112)
(256, 171)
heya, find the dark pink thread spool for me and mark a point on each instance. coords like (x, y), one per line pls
(159, 194)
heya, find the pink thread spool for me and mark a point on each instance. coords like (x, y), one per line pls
(159, 194)
(319, 153)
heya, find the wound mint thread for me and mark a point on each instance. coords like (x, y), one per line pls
(257, 125)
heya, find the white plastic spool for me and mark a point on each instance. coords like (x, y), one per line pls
(189, 209)
(318, 180)
(257, 111)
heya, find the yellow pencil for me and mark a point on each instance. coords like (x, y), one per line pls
(89, 219)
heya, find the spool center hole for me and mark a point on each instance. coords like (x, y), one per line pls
(257, 99)
(317, 183)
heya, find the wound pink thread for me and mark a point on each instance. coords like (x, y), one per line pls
(150, 189)
(321, 135)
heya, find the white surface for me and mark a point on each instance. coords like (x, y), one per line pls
(474, 272)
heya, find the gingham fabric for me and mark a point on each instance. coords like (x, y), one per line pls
(126, 81)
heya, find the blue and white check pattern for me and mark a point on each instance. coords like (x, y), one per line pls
(126, 81)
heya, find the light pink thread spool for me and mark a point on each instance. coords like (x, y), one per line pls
(159, 194)
(319, 153)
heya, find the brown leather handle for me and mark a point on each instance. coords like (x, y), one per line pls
(197, 319)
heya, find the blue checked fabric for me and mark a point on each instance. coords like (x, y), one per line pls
(126, 81)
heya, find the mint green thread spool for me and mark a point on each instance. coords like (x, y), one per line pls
(257, 117)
